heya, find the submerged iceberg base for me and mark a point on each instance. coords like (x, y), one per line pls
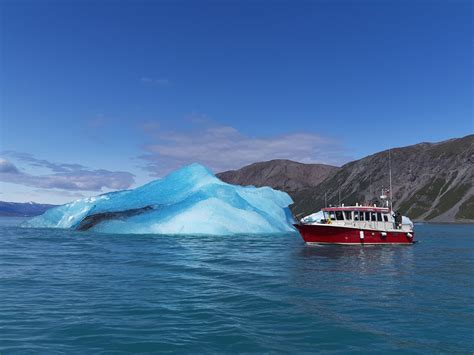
(188, 201)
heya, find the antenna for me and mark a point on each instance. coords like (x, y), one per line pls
(371, 191)
(390, 176)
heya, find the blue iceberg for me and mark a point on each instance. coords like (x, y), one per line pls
(190, 200)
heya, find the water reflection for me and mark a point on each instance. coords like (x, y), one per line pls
(365, 254)
(387, 262)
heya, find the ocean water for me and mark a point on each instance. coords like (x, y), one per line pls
(78, 292)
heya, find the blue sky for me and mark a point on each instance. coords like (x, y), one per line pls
(103, 95)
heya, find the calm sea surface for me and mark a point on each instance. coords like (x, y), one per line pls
(72, 292)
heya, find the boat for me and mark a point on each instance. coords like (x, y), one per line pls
(359, 224)
(356, 225)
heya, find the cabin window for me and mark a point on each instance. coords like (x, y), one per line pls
(361, 216)
(367, 216)
(348, 215)
(374, 217)
(331, 215)
(385, 217)
(356, 215)
(339, 216)
(379, 217)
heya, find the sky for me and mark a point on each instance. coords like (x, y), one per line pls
(97, 96)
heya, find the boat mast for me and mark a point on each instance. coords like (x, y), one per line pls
(390, 176)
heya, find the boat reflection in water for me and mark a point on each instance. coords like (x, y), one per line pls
(337, 282)
(370, 258)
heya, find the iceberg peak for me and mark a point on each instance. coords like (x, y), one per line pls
(194, 173)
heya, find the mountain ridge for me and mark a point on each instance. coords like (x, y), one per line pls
(283, 174)
(23, 209)
(430, 181)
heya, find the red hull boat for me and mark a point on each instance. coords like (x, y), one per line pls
(356, 225)
(343, 235)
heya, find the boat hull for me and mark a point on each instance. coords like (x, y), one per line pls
(330, 234)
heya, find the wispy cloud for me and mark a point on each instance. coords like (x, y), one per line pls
(154, 81)
(30, 160)
(223, 147)
(7, 167)
(64, 176)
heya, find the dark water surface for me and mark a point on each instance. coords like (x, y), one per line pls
(72, 292)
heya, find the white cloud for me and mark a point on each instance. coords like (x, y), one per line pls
(64, 176)
(223, 147)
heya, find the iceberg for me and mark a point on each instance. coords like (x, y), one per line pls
(190, 200)
(313, 218)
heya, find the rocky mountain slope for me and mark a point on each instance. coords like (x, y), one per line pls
(285, 175)
(430, 182)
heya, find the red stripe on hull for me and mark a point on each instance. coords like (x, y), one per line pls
(326, 234)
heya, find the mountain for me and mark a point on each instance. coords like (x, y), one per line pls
(285, 175)
(430, 182)
(17, 209)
